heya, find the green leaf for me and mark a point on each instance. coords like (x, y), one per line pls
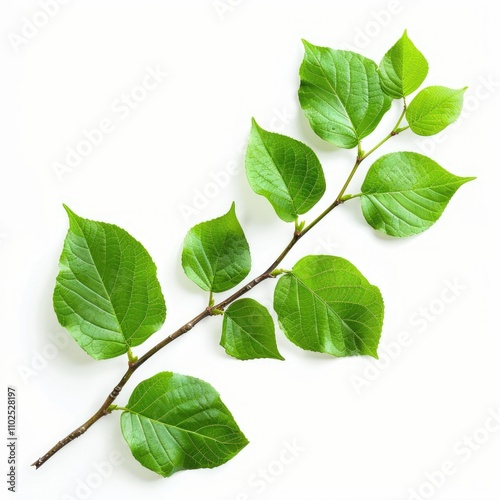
(216, 255)
(406, 193)
(341, 95)
(248, 331)
(434, 108)
(107, 294)
(403, 69)
(174, 422)
(285, 171)
(325, 304)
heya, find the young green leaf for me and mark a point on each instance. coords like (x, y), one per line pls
(434, 108)
(341, 95)
(216, 255)
(107, 294)
(406, 193)
(174, 422)
(403, 68)
(325, 304)
(285, 171)
(248, 331)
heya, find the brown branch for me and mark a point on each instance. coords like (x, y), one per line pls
(212, 309)
(101, 412)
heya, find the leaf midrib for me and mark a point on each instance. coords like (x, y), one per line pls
(280, 174)
(140, 415)
(415, 190)
(325, 76)
(252, 337)
(336, 313)
(432, 110)
(103, 284)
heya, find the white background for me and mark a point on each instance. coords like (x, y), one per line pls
(374, 441)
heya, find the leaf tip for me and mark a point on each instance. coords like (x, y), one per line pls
(468, 179)
(71, 215)
(306, 44)
(255, 125)
(68, 210)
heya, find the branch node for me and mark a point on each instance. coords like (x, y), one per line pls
(131, 358)
(214, 311)
(277, 272)
(109, 409)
